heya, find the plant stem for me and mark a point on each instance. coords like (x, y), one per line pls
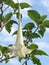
(7, 58)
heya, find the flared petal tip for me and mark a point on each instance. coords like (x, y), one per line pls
(29, 51)
(26, 50)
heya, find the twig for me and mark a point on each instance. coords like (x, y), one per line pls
(6, 8)
(6, 23)
(25, 62)
(36, 29)
(7, 58)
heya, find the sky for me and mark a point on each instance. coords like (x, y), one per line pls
(42, 6)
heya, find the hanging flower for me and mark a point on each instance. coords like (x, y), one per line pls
(19, 48)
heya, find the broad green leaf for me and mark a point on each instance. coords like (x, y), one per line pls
(42, 31)
(0, 16)
(7, 17)
(36, 60)
(29, 26)
(1, 48)
(10, 45)
(7, 2)
(9, 25)
(17, 5)
(19, 59)
(0, 1)
(34, 15)
(33, 46)
(46, 23)
(43, 17)
(14, 33)
(6, 61)
(35, 35)
(5, 50)
(27, 33)
(24, 5)
(6, 56)
(12, 4)
(24, 33)
(39, 52)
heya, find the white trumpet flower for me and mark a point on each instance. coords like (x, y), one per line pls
(19, 48)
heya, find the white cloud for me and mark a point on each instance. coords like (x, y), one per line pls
(28, 1)
(46, 4)
(14, 62)
(47, 30)
(43, 45)
(6, 38)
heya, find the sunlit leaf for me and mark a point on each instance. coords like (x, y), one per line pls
(5, 50)
(24, 5)
(35, 35)
(46, 23)
(42, 31)
(1, 48)
(43, 17)
(0, 1)
(7, 17)
(29, 26)
(14, 33)
(36, 60)
(39, 52)
(34, 15)
(9, 25)
(33, 46)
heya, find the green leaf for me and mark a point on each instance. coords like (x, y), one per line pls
(43, 17)
(29, 26)
(5, 50)
(17, 15)
(12, 4)
(14, 33)
(6, 56)
(7, 2)
(39, 52)
(24, 5)
(1, 48)
(41, 31)
(36, 60)
(27, 34)
(0, 16)
(34, 15)
(33, 46)
(0, 1)
(19, 59)
(9, 25)
(46, 23)
(17, 5)
(7, 60)
(10, 45)
(7, 17)
(35, 35)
